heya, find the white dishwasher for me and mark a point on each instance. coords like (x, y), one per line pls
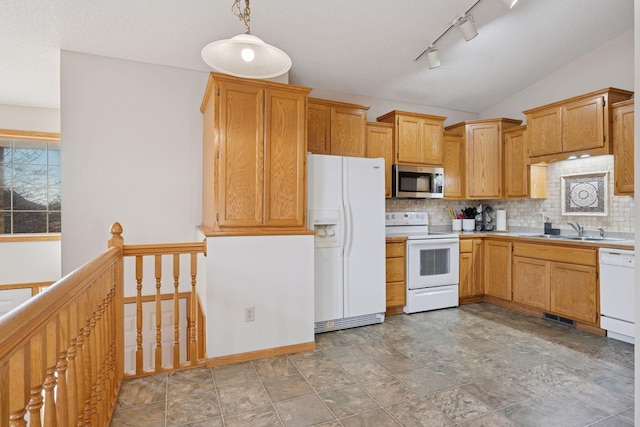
(618, 293)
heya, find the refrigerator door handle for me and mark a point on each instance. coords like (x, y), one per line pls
(348, 230)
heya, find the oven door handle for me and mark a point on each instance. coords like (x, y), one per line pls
(431, 242)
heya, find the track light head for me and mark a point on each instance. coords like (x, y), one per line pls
(433, 57)
(467, 27)
(510, 3)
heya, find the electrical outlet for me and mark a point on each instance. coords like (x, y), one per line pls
(249, 314)
(542, 216)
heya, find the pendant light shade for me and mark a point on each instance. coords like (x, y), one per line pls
(467, 27)
(246, 55)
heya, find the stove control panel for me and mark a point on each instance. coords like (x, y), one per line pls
(406, 218)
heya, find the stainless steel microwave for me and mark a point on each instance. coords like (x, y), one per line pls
(417, 182)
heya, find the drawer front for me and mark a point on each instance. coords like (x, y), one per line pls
(395, 270)
(568, 254)
(466, 245)
(396, 294)
(395, 250)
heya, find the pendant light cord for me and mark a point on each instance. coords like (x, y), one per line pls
(243, 14)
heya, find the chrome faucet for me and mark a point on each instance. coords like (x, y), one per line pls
(601, 230)
(579, 229)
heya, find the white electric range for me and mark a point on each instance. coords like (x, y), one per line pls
(432, 261)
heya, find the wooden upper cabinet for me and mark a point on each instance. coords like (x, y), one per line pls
(319, 128)
(336, 128)
(545, 128)
(484, 160)
(418, 138)
(348, 132)
(583, 124)
(241, 152)
(380, 144)
(454, 166)
(255, 131)
(623, 116)
(516, 159)
(284, 159)
(575, 126)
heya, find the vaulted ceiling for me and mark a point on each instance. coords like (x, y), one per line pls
(363, 47)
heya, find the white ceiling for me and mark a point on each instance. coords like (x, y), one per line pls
(363, 47)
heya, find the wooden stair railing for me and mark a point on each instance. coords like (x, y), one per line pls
(195, 318)
(62, 352)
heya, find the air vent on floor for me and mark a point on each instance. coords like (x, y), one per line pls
(559, 319)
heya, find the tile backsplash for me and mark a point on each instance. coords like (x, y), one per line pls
(526, 212)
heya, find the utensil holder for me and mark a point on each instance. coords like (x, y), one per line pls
(456, 225)
(468, 224)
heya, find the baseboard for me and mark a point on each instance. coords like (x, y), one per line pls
(260, 354)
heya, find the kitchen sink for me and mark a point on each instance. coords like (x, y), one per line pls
(582, 238)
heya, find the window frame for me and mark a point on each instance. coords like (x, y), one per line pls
(33, 136)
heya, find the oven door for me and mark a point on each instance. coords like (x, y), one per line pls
(432, 262)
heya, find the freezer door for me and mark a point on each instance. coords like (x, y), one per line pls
(328, 283)
(364, 248)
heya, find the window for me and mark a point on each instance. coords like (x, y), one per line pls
(30, 183)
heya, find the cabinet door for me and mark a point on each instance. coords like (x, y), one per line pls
(497, 269)
(318, 128)
(409, 143)
(284, 159)
(516, 176)
(348, 132)
(484, 160)
(240, 163)
(623, 148)
(583, 124)
(466, 275)
(380, 144)
(544, 128)
(531, 278)
(432, 141)
(573, 291)
(453, 167)
(478, 267)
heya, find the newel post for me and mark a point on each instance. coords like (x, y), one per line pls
(116, 240)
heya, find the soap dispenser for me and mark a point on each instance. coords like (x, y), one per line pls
(547, 226)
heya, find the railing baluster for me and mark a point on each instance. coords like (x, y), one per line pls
(176, 311)
(158, 354)
(62, 403)
(51, 355)
(4, 397)
(19, 385)
(72, 384)
(139, 350)
(193, 344)
(86, 413)
(95, 357)
(37, 374)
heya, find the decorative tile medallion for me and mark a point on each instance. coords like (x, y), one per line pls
(585, 194)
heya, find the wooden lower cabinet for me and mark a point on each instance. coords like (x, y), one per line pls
(471, 270)
(396, 275)
(531, 280)
(573, 291)
(557, 279)
(497, 269)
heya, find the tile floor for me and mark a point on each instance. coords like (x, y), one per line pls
(476, 365)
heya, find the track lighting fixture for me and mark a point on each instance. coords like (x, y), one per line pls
(466, 26)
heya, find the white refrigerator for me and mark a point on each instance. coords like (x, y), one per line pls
(346, 205)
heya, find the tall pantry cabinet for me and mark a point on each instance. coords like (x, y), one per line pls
(254, 156)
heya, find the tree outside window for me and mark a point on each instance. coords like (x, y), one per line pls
(30, 201)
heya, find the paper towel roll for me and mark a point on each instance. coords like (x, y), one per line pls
(501, 220)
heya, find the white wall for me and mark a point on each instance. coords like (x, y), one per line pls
(382, 106)
(610, 65)
(274, 274)
(131, 152)
(33, 119)
(28, 262)
(636, 85)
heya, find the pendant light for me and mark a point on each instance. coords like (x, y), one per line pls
(246, 55)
